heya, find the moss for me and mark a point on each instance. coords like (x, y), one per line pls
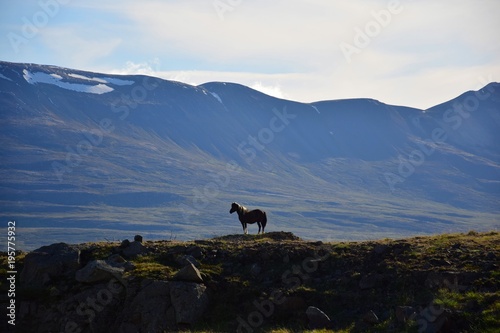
(333, 284)
(152, 270)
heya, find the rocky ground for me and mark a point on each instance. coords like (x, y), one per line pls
(268, 283)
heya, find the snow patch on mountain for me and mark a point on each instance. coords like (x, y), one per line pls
(55, 79)
(217, 97)
(4, 77)
(315, 108)
(83, 77)
(108, 80)
(118, 82)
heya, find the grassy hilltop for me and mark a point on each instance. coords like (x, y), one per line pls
(265, 283)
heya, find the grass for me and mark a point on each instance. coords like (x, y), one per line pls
(333, 284)
(153, 270)
(482, 310)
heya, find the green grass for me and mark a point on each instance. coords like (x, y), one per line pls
(334, 285)
(482, 310)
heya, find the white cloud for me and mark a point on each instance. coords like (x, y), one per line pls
(74, 46)
(269, 90)
(429, 52)
(143, 68)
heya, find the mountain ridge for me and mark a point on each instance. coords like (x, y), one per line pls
(163, 157)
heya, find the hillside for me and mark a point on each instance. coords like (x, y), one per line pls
(265, 283)
(89, 154)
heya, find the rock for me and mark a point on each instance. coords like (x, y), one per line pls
(47, 262)
(370, 318)
(195, 251)
(134, 249)
(189, 273)
(292, 303)
(117, 260)
(449, 280)
(138, 238)
(150, 310)
(491, 256)
(190, 300)
(98, 270)
(404, 313)
(317, 318)
(124, 244)
(370, 281)
(255, 270)
(185, 260)
(380, 248)
(434, 319)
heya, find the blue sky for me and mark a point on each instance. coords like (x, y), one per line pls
(406, 52)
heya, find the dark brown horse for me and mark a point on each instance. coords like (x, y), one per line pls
(249, 216)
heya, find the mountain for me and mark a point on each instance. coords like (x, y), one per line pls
(91, 156)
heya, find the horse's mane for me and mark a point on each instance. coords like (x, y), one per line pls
(242, 209)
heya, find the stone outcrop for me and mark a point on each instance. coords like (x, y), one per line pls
(133, 249)
(189, 273)
(258, 283)
(190, 300)
(98, 270)
(103, 299)
(48, 262)
(317, 318)
(150, 310)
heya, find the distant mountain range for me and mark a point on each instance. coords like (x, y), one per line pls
(89, 156)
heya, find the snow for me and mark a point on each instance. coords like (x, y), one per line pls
(118, 82)
(217, 97)
(82, 77)
(4, 77)
(55, 79)
(109, 80)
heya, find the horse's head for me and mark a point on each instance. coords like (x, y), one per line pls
(234, 207)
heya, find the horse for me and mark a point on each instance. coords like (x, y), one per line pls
(249, 216)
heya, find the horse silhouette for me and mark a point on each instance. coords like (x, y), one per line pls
(249, 216)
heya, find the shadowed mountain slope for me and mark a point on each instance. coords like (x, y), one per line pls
(90, 156)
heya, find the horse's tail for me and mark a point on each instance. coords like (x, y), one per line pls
(264, 220)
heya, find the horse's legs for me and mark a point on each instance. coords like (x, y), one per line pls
(258, 223)
(244, 228)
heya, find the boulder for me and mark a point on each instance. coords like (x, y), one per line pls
(380, 249)
(98, 270)
(189, 274)
(195, 251)
(371, 281)
(47, 262)
(255, 270)
(190, 300)
(317, 318)
(134, 249)
(138, 238)
(405, 313)
(292, 303)
(185, 260)
(117, 260)
(124, 244)
(370, 318)
(434, 319)
(150, 310)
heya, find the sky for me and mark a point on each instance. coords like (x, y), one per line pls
(416, 53)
